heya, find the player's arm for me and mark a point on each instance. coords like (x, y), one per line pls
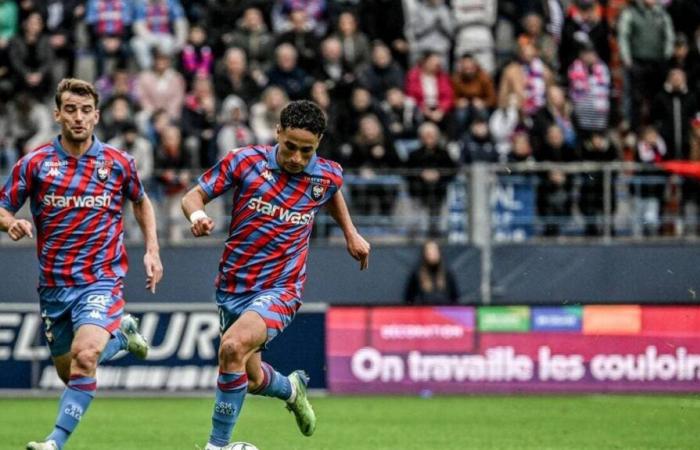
(146, 218)
(16, 228)
(357, 246)
(193, 208)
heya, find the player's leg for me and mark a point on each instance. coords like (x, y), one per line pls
(238, 343)
(127, 336)
(263, 379)
(62, 365)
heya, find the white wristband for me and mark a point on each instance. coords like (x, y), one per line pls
(197, 215)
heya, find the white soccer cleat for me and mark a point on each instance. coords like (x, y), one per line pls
(47, 445)
(135, 342)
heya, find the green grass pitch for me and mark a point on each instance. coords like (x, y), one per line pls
(367, 423)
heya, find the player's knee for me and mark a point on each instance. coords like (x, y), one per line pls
(234, 349)
(86, 358)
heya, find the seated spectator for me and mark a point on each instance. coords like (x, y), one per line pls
(429, 29)
(160, 25)
(534, 33)
(234, 133)
(30, 123)
(316, 11)
(432, 169)
(129, 140)
(432, 282)
(402, 118)
(475, 94)
(197, 58)
(355, 45)
(62, 18)
(520, 146)
(109, 24)
(372, 153)
(265, 114)
(431, 89)
(557, 111)
(287, 74)
(527, 78)
(589, 90)
(199, 123)
(233, 78)
(477, 145)
(596, 148)
(332, 70)
(474, 21)
(252, 36)
(31, 58)
(330, 146)
(171, 164)
(119, 82)
(302, 37)
(161, 88)
(361, 104)
(382, 73)
(115, 115)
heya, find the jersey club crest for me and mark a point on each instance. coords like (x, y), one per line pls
(317, 191)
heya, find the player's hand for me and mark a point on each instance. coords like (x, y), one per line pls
(20, 228)
(154, 270)
(202, 227)
(359, 249)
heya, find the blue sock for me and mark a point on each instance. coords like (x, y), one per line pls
(274, 384)
(116, 344)
(73, 404)
(230, 393)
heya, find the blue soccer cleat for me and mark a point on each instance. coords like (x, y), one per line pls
(135, 342)
(303, 412)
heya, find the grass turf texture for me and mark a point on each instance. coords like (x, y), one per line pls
(363, 423)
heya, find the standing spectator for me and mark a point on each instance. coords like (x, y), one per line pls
(199, 123)
(527, 79)
(429, 85)
(197, 58)
(233, 78)
(382, 73)
(302, 38)
(474, 91)
(388, 28)
(432, 282)
(589, 90)
(402, 118)
(585, 25)
(158, 24)
(672, 111)
(251, 35)
(431, 171)
(596, 148)
(31, 58)
(646, 37)
(554, 189)
(474, 20)
(234, 133)
(685, 15)
(356, 51)
(333, 71)
(533, 32)
(651, 186)
(61, 20)
(161, 88)
(430, 29)
(287, 74)
(265, 114)
(316, 11)
(109, 24)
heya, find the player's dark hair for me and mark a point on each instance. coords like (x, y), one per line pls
(77, 87)
(305, 115)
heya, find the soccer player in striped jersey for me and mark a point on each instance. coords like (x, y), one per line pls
(276, 193)
(77, 188)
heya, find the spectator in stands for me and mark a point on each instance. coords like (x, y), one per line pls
(520, 146)
(118, 82)
(474, 20)
(552, 13)
(155, 126)
(316, 11)
(199, 123)
(681, 58)
(503, 123)
(333, 71)
(31, 58)
(232, 77)
(382, 73)
(387, 28)
(62, 19)
(685, 15)
(646, 37)
(234, 133)
(557, 111)
(197, 58)
(589, 90)
(158, 24)
(432, 170)
(109, 24)
(287, 74)
(534, 33)
(372, 153)
(330, 146)
(527, 78)
(161, 88)
(30, 123)
(129, 140)
(474, 92)
(402, 118)
(8, 30)
(649, 192)
(251, 35)
(116, 113)
(693, 71)
(596, 148)
(429, 85)
(432, 282)
(223, 16)
(554, 188)
(430, 29)
(476, 143)
(265, 114)
(171, 164)
(355, 45)
(585, 26)
(672, 111)
(361, 104)
(303, 39)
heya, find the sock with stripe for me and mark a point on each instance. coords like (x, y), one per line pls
(74, 402)
(274, 384)
(116, 344)
(231, 389)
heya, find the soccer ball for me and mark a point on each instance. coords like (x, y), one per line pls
(240, 446)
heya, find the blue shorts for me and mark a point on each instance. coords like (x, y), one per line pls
(65, 309)
(277, 307)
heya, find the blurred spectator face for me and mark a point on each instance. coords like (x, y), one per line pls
(161, 63)
(650, 3)
(202, 87)
(555, 137)
(319, 94)
(395, 97)
(479, 129)
(599, 142)
(274, 98)
(252, 19)
(198, 35)
(370, 129)
(649, 136)
(171, 140)
(680, 50)
(555, 97)
(589, 56)
(521, 145)
(235, 61)
(381, 56)
(677, 80)
(33, 24)
(120, 81)
(467, 66)
(432, 64)
(347, 25)
(298, 19)
(120, 110)
(429, 135)
(431, 254)
(160, 121)
(331, 50)
(527, 52)
(361, 99)
(532, 23)
(286, 57)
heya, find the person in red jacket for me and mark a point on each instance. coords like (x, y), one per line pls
(429, 85)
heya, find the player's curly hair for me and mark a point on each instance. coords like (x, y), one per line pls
(305, 115)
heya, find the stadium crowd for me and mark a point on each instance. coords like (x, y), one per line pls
(427, 86)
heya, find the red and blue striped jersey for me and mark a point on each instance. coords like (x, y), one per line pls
(272, 217)
(77, 206)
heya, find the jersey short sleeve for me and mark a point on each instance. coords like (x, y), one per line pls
(133, 188)
(16, 189)
(223, 175)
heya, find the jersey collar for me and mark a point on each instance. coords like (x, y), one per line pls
(272, 162)
(95, 149)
